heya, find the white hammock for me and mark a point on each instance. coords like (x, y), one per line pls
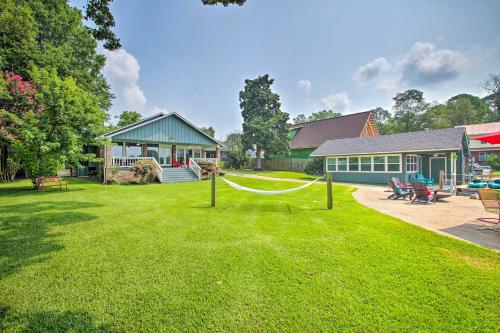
(248, 189)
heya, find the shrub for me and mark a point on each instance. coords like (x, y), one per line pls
(494, 161)
(237, 159)
(207, 168)
(314, 166)
(145, 170)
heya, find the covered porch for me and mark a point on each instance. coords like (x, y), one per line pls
(126, 153)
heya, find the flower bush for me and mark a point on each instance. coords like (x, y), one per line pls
(146, 171)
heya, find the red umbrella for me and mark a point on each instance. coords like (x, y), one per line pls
(493, 138)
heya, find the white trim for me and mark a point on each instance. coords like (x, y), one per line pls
(389, 152)
(163, 115)
(386, 163)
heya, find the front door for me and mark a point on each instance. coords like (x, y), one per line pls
(437, 164)
(165, 154)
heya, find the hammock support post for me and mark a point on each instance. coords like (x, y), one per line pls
(329, 196)
(213, 189)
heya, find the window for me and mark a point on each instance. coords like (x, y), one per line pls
(393, 163)
(411, 163)
(484, 156)
(366, 163)
(180, 155)
(331, 164)
(342, 164)
(379, 163)
(117, 151)
(133, 149)
(353, 163)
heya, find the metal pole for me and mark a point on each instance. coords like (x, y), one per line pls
(329, 190)
(213, 189)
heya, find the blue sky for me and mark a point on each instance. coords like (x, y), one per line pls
(351, 56)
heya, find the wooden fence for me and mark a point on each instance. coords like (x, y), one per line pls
(281, 164)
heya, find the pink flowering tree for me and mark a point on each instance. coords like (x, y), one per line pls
(17, 104)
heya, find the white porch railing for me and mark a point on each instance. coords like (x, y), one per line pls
(210, 159)
(128, 162)
(195, 168)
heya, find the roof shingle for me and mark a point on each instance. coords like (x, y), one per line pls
(441, 139)
(313, 134)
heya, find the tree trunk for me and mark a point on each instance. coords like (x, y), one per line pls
(259, 159)
(8, 167)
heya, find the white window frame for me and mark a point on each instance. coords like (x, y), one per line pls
(386, 159)
(487, 153)
(414, 161)
(327, 168)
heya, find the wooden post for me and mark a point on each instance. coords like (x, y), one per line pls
(441, 179)
(329, 190)
(213, 189)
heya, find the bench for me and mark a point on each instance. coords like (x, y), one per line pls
(53, 181)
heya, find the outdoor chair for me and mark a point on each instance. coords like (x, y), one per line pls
(423, 193)
(491, 204)
(399, 192)
(420, 178)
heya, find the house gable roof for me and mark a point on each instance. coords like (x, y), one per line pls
(312, 134)
(153, 129)
(480, 129)
(434, 140)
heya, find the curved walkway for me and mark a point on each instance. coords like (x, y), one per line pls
(454, 217)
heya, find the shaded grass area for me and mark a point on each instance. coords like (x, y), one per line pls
(156, 257)
(275, 174)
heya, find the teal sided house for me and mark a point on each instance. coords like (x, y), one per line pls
(171, 141)
(375, 159)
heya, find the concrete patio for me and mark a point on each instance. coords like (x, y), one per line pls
(455, 216)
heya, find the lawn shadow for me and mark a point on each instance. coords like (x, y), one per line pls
(29, 191)
(478, 233)
(48, 321)
(26, 237)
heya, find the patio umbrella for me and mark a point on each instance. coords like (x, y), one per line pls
(493, 138)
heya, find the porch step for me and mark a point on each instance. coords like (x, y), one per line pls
(175, 175)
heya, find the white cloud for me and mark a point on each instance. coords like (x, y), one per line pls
(371, 71)
(305, 85)
(427, 65)
(338, 102)
(423, 65)
(122, 72)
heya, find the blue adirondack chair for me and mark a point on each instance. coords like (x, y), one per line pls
(420, 178)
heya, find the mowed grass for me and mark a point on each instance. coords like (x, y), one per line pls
(158, 258)
(274, 174)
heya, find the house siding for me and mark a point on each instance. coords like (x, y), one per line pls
(170, 129)
(381, 177)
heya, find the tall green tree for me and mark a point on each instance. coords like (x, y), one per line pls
(492, 86)
(210, 131)
(128, 117)
(407, 111)
(320, 115)
(265, 126)
(46, 44)
(236, 153)
(383, 119)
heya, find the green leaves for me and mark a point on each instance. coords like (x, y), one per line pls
(264, 124)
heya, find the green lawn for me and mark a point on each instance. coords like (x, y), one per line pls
(275, 174)
(158, 258)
